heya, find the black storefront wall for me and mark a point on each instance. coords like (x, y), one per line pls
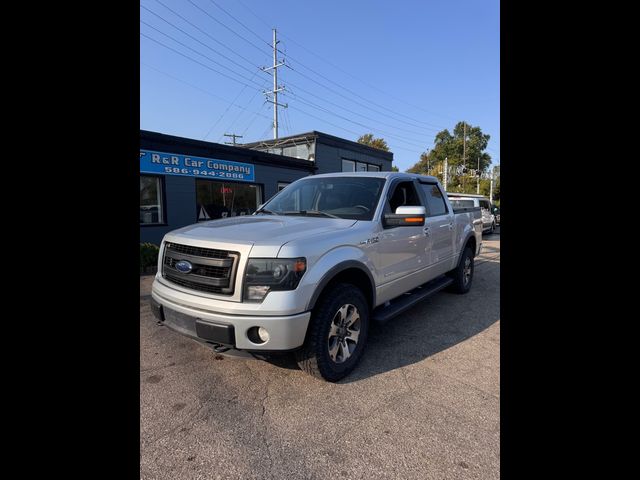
(179, 192)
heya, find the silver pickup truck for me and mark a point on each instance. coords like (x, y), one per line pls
(313, 266)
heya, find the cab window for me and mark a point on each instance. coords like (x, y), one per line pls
(403, 195)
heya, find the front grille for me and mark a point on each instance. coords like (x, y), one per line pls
(213, 270)
(192, 285)
(198, 251)
(203, 270)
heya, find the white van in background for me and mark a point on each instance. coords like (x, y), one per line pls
(462, 200)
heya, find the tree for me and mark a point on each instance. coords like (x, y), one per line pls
(394, 168)
(452, 147)
(379, 143)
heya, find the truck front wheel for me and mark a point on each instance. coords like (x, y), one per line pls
(337, 333)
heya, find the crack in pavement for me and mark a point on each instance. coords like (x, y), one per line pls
(263, 403)
(264, 422)
(190, 418)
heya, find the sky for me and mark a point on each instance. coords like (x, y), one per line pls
(402, 70)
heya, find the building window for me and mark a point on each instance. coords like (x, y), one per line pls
(281, 185)
(225, 199)
(348, 165)
(353, 166)
(151, 211)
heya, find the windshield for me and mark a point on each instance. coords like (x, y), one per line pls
(461, 203)
(353, 198)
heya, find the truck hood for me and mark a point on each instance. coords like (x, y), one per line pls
(262, 230)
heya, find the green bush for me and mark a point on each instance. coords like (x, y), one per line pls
(148, 255)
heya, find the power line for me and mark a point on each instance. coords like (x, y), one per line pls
(216, 71)
(203, 55)
(217, 97)
(387, 134)
(355, 101)
(207, 46)
(343, 70)
(367, 83)
(202, 31)
(436, 127)
(223, 114)
(255, 114)
(242, 83)
(240, 113)
(243, 25)
(275, 88)
(356, 113)
(172, 38)
(225, 26)
(253, 119)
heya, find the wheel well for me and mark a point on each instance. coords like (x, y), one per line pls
(354, 276)
(471, 243)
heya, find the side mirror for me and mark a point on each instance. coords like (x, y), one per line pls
(406, 217)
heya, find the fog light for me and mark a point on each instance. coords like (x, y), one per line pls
(258, 335)
(263, 334)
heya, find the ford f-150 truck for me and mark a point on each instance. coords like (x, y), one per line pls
(312, 268)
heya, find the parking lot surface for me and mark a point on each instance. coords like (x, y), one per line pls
(423, 403)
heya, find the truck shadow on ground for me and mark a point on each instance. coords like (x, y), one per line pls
(434, 325)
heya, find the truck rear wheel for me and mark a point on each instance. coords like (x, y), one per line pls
(337, 333)
(463, 274)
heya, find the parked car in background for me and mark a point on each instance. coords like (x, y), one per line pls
(467, 200)
(496, 214)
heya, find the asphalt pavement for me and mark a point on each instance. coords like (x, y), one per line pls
(423, 403)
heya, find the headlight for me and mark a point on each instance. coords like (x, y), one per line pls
(264, 275)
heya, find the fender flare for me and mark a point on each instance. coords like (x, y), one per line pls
(335, 270)
(466, 241)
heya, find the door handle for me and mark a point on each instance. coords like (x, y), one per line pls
(426, 230)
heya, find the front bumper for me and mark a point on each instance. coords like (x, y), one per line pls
(285, 332)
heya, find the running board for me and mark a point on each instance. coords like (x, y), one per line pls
(398, 305)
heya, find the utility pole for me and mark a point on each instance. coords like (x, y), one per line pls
(446, 167)
(464, 153)
(232, 135)
(276, 88)
(478, 175)
(491, 187)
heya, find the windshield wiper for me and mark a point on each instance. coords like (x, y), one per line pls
(264, 210)
(317, 212)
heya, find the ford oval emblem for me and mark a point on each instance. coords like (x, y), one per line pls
(184, 267)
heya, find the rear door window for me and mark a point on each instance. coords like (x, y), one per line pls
(435, 199)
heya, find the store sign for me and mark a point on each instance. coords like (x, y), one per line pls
(189, 166)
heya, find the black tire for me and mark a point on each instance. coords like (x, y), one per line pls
(314, 357)
(462, 282)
